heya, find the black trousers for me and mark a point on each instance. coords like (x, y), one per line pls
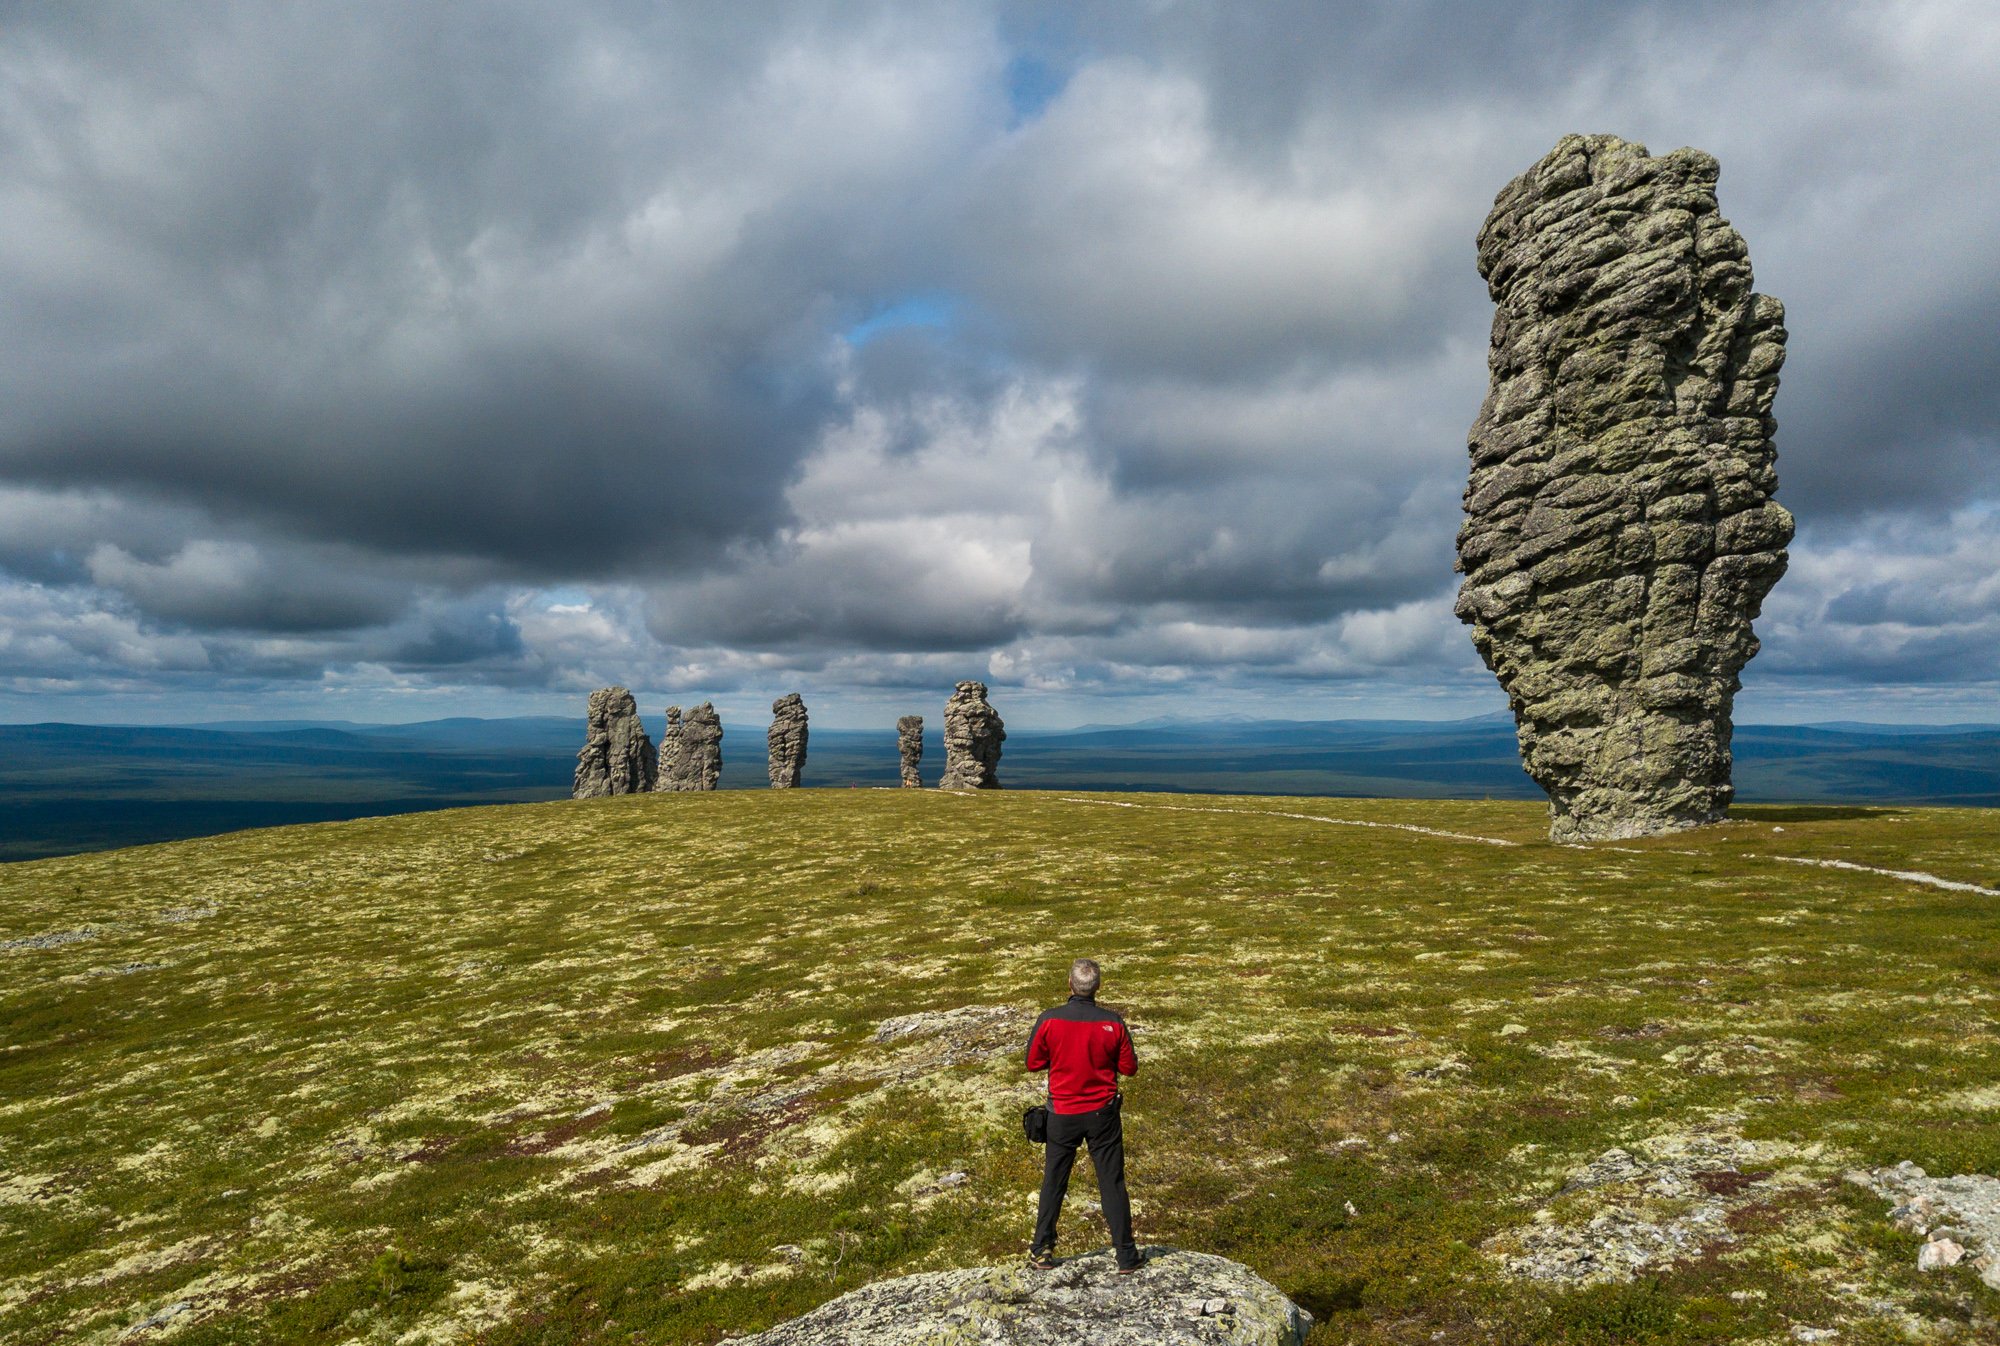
(1104, 1132)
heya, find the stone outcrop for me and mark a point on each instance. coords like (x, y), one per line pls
(692, 756)
(701, 747)
(1178, 1299)
(673, 754)
(910, 748)
(787, 741)
(973, 734)
(617, 757)
(1660, 1200)
(1620, 534)
(1958, 1218)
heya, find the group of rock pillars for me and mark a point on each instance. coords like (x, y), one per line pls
(1620, 533)
(618, 757)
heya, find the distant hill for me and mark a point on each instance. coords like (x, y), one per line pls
(68, 788)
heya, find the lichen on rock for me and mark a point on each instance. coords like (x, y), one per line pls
(1643, 1206)
(672, 753)
(1957, 1217)
(786, 741)
(1620, 534)
(910, 749)
(1178, 1299)
(973, 733)
(692, 758)
(617, 757)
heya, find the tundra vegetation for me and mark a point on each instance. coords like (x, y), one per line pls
(661, 1068)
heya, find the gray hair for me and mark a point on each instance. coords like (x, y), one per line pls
(1084, 976)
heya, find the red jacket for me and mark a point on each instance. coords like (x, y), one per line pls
(1085, 1048)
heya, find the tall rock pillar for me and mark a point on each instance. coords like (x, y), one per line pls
(973, 734)
(787, 741)
(701, 748)
(617, 758)
(673, 753)
(910, 749)
(1619, 532)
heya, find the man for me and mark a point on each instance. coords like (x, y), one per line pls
(1085, 1048)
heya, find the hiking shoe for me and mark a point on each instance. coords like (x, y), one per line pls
(1127, 1268)
(1042, 1261)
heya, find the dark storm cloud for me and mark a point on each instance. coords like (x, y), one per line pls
(508, 283)
(1084, 346)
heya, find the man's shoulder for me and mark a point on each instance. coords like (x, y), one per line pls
(1087, 1012)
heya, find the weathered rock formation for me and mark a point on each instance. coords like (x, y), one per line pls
(972, 737)
(692, 756)
(701, 747)
(787, 741)
(1180, 1299)
(910, 747)
(617, 757)
(673, 753)
(1620, 534)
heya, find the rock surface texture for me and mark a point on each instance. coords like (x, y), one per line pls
(1620, 534)
(617, 758)
(1664, 1199)
(910, 748)
(787, 741)
(673, 753)
(692, 755)
(1178, 1299)
(973, 734)
(1956, 1217)
(701, 748)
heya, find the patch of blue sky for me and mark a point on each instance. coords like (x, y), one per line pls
(1032, 84)
(933, 309)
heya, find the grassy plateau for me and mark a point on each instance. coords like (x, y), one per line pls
(628, 1070)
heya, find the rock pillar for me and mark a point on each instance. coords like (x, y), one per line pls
(701, 748)
(1619, 532)
(617, 758)
(973, 733)
(910, 748)
(787, 741)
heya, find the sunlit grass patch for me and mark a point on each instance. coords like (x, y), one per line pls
(661, 1068)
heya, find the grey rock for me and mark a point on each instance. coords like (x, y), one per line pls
(931, 1023)
(160, 1319)
(55, 939)
(1631, 1210)
(691, 753)
(910, 748)
(973, 734)
(1939, 1253)
(673, 753)
(1960, 1213)
(1619, 533)
(1172, 1301)
(787, 741)
(617, 757)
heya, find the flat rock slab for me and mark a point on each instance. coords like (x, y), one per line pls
(1177, 1299)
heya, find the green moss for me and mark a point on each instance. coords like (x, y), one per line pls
(594, 1090)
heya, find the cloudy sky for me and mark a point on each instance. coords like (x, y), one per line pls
(386, 361)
